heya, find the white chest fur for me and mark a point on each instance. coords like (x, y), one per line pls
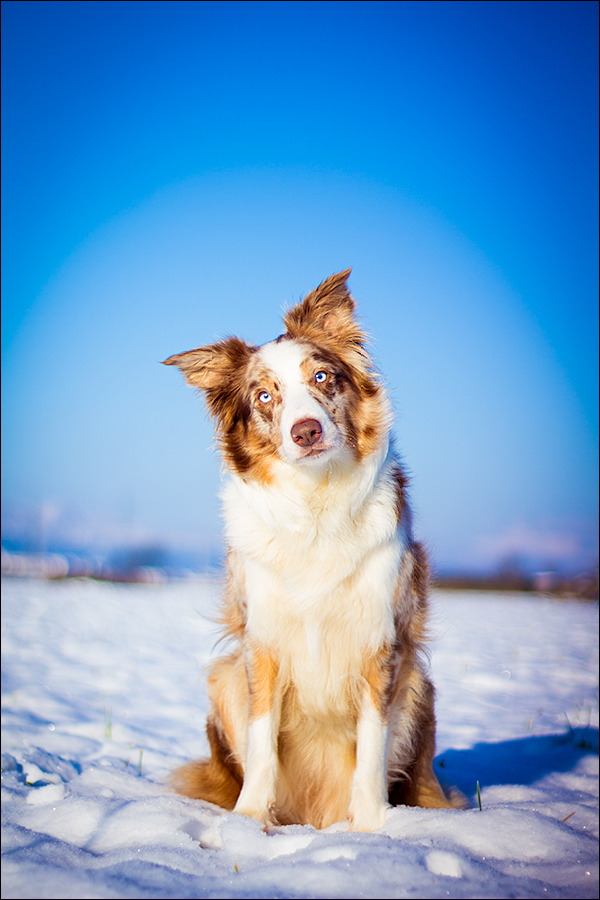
(318, 559)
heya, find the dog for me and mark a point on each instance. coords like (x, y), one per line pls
(323, 711)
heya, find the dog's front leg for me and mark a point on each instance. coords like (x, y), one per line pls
(368, 795)
(257, 797)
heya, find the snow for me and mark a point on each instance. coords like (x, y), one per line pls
(103, 695)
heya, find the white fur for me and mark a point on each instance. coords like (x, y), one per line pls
(368, 799)
(320, 555)
(258, 792)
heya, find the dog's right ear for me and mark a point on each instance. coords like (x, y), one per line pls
(214, 368)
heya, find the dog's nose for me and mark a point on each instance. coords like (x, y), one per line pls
(306, 432)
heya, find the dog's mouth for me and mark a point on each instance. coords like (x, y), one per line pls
(314, 451)
(320, 450)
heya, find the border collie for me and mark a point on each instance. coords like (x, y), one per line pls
(323, 711)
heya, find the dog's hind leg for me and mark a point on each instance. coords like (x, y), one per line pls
(217, 779)
(417, 784)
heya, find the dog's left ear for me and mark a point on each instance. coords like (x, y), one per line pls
(327, 312)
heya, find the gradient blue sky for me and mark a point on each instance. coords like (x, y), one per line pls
(177, 171)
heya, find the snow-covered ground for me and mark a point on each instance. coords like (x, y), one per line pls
(103, 694)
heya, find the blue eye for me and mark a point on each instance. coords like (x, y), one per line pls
(264, 397)
(320, 377)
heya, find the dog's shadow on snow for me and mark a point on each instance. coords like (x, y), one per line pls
(521, 761)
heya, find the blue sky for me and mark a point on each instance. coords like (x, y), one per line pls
(175, 172)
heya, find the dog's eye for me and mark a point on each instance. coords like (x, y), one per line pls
(320, 377)
(264, 397)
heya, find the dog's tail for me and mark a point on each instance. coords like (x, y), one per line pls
(217, 779)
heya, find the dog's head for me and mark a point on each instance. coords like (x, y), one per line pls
(309, 398)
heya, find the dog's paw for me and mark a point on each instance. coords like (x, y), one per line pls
(265, 815)
(367, 816)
